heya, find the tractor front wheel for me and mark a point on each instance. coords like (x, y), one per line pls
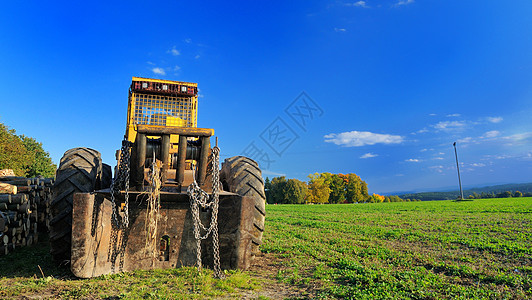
(242, 175)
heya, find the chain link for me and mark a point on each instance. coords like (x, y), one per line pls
(200, 198)
(121, 181)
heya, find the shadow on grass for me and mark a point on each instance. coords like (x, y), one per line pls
(25, 262)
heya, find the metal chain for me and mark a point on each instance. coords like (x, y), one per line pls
(200, 198)
(121, 181)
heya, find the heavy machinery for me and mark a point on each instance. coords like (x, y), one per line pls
(168, 204)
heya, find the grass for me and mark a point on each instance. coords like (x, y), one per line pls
(419, 250)
(22, 277)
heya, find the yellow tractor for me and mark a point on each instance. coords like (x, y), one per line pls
(168, 205)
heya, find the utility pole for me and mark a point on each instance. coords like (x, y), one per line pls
(458, 169)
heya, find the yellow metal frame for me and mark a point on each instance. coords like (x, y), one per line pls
(160, 110)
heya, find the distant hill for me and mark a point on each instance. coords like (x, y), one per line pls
(494, 189)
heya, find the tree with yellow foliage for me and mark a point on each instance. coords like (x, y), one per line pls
(318, 189)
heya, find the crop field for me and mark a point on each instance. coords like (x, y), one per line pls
(439, 249)
(420, 250)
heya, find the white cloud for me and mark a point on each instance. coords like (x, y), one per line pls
(358, 3)
(491, 134)
(340, 29)
(495, 119)
(519, 136)
(362, 138)
(450, 125)
(150, 63)
(421, 131)
(188, 41)
(524, 138)
(197, 56)
(478, 165)
(177, 68)
(174, 51)
(465, 140)
(404, 2)
(438, 169)
(159, 71)
(412, 160)
(271, 173)
(432, 115)
(453, 115)
(438, 158)
(369, 155)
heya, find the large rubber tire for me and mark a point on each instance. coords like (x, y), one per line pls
(242, 175)
(79, 172)
(107, 177)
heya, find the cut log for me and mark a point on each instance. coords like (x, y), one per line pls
(5, 198)
(19, 199)
(48, 181)
(6, 173)
(11, 215)
(12, 207)
(19, 182)
(24, 208)
(26, 188)
(6, 188)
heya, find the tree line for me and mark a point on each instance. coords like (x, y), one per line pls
(322, 188)
(24, 155)
(505, 194)
(494, 191)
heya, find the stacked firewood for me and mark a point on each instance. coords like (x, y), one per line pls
(24, 210)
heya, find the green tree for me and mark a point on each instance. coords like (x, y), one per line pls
(338, 189)
(518, 194)
(356, 189)
(277, 189)
(294, 192)
(13, 154)
(506, 194)
(39, 161)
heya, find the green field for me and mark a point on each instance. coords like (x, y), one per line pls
(439, 249)
(421, 250)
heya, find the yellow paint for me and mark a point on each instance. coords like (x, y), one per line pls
(160, 110)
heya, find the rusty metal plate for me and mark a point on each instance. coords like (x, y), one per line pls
(98, 248)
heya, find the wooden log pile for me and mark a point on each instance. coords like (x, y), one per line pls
(24, 210)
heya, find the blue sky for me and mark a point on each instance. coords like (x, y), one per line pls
(377, 88)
